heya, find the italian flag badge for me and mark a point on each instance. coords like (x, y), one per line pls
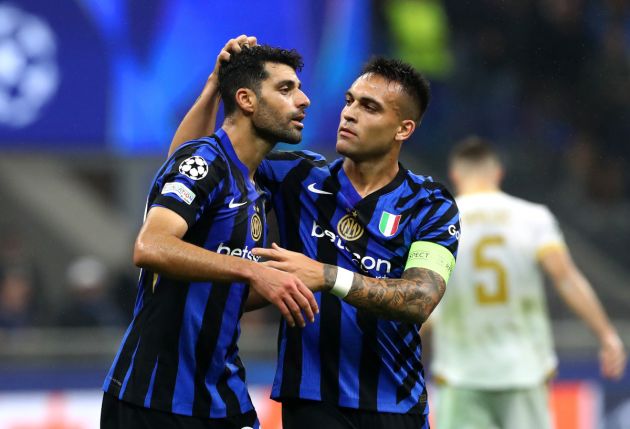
(388, 224)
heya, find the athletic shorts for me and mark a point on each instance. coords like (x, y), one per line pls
(302, 414)
(465, 408)
(117, 414)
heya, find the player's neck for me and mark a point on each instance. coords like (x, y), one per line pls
(477, 187)
(370, 176)
(248, 145)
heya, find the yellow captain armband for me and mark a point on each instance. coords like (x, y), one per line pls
(424, 254)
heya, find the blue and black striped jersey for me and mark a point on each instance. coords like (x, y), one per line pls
(179, 353)
(350, 357)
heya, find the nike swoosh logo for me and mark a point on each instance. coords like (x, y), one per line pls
(313, 189)
(234, 205)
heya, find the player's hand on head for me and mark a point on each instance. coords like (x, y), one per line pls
(307, 269)
(288, 293)
(612, 358)
(233, 46)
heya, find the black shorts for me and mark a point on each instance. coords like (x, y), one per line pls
(301, 414)
(117, 414)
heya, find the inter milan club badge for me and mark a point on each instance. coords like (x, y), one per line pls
(349, 227)
(388, 224)
(256, 227)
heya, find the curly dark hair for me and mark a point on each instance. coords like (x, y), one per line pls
(246, 69)
(413, 83)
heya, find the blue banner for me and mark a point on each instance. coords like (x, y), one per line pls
(119, 74)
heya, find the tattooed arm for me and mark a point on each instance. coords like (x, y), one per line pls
(411, 298)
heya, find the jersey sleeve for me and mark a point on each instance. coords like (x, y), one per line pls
(190, 181)
(275, 168)
(439, 220)
(546, 233)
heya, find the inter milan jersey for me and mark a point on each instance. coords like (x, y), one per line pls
(179, 353)
(350, 357)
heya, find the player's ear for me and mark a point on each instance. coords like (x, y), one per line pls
(500, 173)
(246, 100)
(454, 176)
(405, 130)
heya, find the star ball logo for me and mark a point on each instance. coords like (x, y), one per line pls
(349, 228)
(29, 75)
(194, 167)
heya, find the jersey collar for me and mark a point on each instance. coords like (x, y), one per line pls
(227, 146)
(353, 197)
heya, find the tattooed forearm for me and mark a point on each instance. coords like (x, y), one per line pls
(330, 274)
(410, 299)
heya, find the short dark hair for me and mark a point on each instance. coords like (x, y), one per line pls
(473, 149)
(246, 69)
(413, 83)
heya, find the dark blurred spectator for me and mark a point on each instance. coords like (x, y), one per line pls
(607, 82)
(559, 45)
(21, 297)
(16, 300)
(89, 302)
(486, 36)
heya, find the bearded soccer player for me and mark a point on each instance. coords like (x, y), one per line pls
(492, 346)
(178, 365)
(377, 242)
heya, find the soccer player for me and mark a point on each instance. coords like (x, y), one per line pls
(178, 365)
(384, 240)
(492, 344)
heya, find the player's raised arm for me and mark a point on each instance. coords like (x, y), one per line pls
(411, 298)
(200, 121)
(577, 293)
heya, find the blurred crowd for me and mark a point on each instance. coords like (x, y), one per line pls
(547, 80)
(91, 296)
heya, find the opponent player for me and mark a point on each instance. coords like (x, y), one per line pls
(491, 335)
(178, 365)
(385, 240)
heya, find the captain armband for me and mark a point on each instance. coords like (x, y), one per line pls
(424, 254)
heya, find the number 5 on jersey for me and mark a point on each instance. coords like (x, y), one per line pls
(484, 294)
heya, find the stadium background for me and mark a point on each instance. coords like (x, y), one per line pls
(91, 92)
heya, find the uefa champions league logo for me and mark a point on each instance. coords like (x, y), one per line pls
(29, 76)
(194, 167)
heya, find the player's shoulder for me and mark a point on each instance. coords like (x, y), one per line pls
(528, 212)
(297, 155)
(278, 165)
(205, 147)
(197, 158)
(425, 188)
(528, 208)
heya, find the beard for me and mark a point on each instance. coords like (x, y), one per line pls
(273, 126)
